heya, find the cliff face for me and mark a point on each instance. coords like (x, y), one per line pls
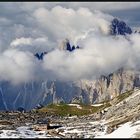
(111, 86)
(29, 95)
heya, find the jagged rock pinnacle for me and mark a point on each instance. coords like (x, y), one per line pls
(119, 27)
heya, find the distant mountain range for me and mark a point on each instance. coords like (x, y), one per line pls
(120, 27)
(29, 95)
(117, 27)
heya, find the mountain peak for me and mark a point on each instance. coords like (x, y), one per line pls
(65, 45)
(40, 56)
(119, 27)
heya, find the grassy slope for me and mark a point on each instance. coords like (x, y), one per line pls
(124, 95)
(64, 109)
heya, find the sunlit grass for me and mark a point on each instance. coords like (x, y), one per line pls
(65, 110)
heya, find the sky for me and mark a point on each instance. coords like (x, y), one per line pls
(30, 27)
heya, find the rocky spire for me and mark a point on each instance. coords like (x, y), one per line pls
(65, 45)
(119, 27)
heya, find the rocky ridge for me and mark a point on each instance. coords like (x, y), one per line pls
(103, 122)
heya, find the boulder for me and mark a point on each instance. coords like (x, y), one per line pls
(21, 109)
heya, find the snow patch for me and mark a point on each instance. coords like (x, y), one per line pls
(96, 105)
(23, 132)
(78, 106)
(124, 131)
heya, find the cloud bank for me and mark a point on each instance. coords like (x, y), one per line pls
(43, 29)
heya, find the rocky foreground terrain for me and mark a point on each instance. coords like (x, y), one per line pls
(122, 116)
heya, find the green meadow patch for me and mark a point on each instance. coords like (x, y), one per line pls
(65, 109)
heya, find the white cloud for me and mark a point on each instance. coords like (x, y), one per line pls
(16, 66)
(43, 29)
(62, 23)
(21, 41)
(99, 55)
(33, 45)
(29, 41)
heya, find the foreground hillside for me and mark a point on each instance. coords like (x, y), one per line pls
(107, 120)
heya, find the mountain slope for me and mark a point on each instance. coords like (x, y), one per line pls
(28, 95)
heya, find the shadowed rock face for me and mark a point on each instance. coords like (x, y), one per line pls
(40, 56)
(65, 45)
(21, 109)
(119, 27)
(29, 95)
